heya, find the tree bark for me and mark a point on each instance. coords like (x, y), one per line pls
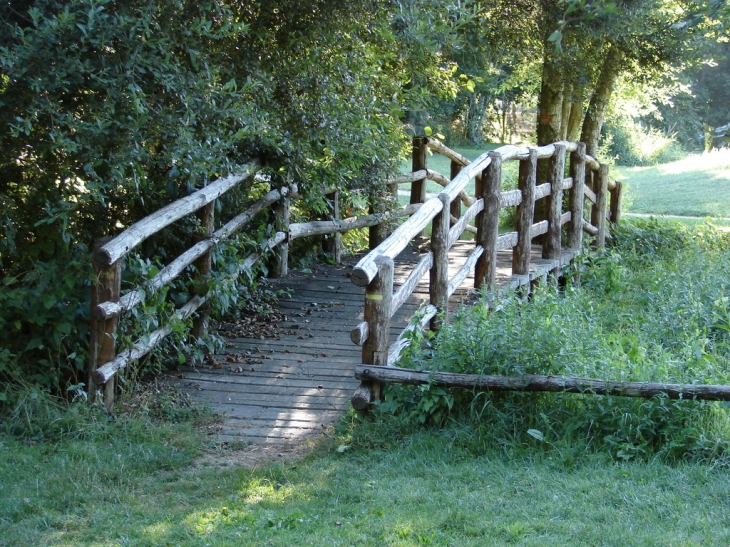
(596, 113)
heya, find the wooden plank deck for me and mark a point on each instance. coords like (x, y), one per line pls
(294, 385)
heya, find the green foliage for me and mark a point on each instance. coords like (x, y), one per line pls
(653, 308)
(630, 143)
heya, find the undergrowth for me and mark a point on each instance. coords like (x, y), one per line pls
(653, 307)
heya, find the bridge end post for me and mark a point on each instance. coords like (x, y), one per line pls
(617, 195)
(598, 213)
(102, 332)
(203, 266)
(378, 308)
(439, 274)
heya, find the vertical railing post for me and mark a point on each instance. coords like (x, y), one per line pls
(202, 270)
(102, 333)
(485, 271)
(439, 275)
(576, 198)
(281, 212)
(598, 218)
(333, 243)
(419, 158)
(522, 252)
(551, 245)
(456, 168)
(616, 204)
(378, 306)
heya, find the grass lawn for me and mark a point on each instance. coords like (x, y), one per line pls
(697, 186)
(409, 489)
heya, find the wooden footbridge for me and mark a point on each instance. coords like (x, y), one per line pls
(300, 376)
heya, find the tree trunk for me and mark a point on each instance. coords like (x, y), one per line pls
(596, 113)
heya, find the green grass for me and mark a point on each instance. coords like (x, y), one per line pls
(697, 186)
(402, 489)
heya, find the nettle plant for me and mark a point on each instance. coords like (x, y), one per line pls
(665, 318)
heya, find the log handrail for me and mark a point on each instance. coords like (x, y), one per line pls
(587, 180)
(108, 303)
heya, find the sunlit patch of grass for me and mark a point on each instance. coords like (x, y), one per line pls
(695, 186)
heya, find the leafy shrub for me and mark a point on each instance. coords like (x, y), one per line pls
(631, 143)
(653, 308)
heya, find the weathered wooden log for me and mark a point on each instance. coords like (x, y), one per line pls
(281, 221)
(565, 217)
(551, 243)
(567, 183)
(333, 244)
(359, 334)
(576, 198)
(465, 270)
(378, 304)
(510, 198)
(442, 149)
(143, 347)
(102, 332)
(616, 204)
(107, 310)
(439, 272)
(589, 228)
(321, 227)
(543, 190)
(600, 209)
(485, 271)
(420, 162)
(113, 250)
(537, 383)
(203, 271)
(539, 228)
(507, 241)
(455, 210)
(525, 211)
(590, 194)
(462, 224)
(365, 270)
(407, 178)
(409, 285)
(465, 228)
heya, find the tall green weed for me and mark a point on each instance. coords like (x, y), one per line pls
(652, 307)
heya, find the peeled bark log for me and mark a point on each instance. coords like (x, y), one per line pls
(533, 382)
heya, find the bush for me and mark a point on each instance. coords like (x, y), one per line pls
(629, 142)
(652, 308)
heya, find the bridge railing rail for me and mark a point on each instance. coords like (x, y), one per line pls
(108, 304)
(587, 180)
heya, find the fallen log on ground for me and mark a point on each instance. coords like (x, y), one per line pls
(532, 382)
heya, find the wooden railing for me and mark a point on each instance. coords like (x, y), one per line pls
(587, 181)
(108, 303)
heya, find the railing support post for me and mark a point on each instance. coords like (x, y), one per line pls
(419, 158)
(522, 252)
(485, 271)
(439, 274)
(333, 243)
(456, 168)
(281, 211)
(551, 245)
(102, 333)
(576, 198)
(617, 195)
(202, 270)
(378, 305)
(598, 215)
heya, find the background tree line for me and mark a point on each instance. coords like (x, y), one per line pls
(110, 109)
